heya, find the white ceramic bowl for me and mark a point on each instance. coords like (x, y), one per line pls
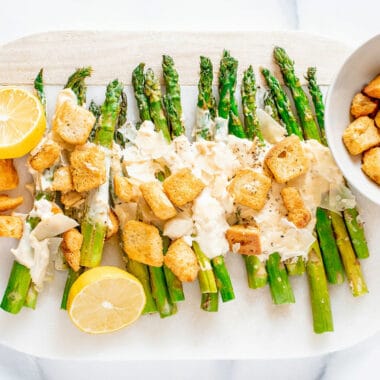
(360, 67)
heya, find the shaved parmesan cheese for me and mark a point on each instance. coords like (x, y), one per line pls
(272, 131)
(53, 226)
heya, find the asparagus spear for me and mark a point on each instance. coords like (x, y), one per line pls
(223, 280)
(206, 101)
(248, 95)
(39, 88)
(310, 128)
(160, 292)
(295, 267)
(138, 82)
(210, 302)
(256, 272)
(153, 92)
(280, 287)
(206, 277)
(282, 104)
(351, 264)
(94, 231)
(173, 96)
(235, 126)
(172, 101)
(330, 254)
(77, 84)
(316, 95)
(356, 232)
(319, 292)
(17, 288)
(354, 226)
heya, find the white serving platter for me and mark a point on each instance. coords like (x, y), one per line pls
(248, 327)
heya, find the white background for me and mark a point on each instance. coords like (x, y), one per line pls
(351, 21)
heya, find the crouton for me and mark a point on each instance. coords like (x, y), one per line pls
(377, 119)
(373, 88)
(371, 164)
(46, 156)
(298, 214)
(142, 242)
(181, 260)
(362, 106)
(157, 200)
(113, 225)
(182, 187)
(55, 209)
(73, 123)
(8, 203)
(87, 167)
(62, 180)
(8, 175)
(250, 188)
(361, 135)
(71, 245)
(244, 240)
(287, 160)
(123, 189)
(11, 226)
(72, 199)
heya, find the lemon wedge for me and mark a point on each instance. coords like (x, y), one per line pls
(105, 299)
(22, 122)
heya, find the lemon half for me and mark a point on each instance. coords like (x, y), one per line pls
(22, 122)
(105, 299)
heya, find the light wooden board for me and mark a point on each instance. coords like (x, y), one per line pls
(250, 326)
(115, 54)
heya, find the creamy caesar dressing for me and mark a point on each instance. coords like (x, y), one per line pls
(210, 224)
(215, 163)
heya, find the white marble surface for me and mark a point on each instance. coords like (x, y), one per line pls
(351, 21)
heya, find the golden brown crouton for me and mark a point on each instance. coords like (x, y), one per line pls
(181, 260)
(123, 189)
(11, 226)
(182, 187)
(250, 188)
(373, 88)
(287, 160)
(8, 175)
(72, 199)
(298, 214)
(55, 209)
(73, 123)
(157, 200)
(46, 156)
(62, 180)
(113, 225)
(87, 167)
(142, 242)
(71, 245)
(371, 164)
(246, 238)
(361, 135)
(377, 119)
(362, 105)
(8, 203)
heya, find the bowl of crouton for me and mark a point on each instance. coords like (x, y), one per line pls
(353, 119)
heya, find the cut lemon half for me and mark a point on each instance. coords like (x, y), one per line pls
(22, 122)
(105, 299)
